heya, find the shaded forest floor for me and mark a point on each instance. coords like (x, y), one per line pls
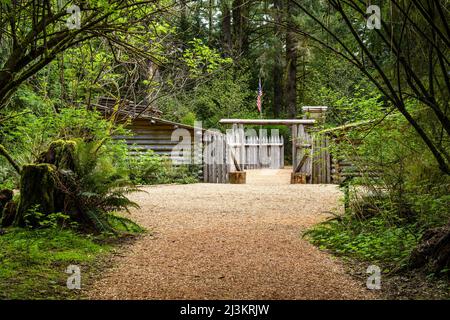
(404, 284)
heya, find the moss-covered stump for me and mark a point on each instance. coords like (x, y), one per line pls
(8, 214)
(433, 252)
(60, 153)
(5, 196)
(37, 190)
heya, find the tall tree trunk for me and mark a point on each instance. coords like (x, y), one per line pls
(278, 72)
(184, 22)
(210, 21)
(226, 28)
(277, 88)
(291, 64)
(240, 36)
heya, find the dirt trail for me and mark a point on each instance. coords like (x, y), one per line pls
(221, 241)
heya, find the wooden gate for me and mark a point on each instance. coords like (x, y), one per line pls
(215, 155)
(310, 154)
(255, 152)
(321, 162)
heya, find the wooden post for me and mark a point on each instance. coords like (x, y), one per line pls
(328, 160)
(313, 170)
(233, 149)
(294, 146)
(298, 178)
(206, 157)
(237, 177)
(242, 146)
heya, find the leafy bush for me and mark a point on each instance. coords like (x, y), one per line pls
(201, 59)
(373, 240)
(81, 182)
(401, 193)
(27, 134)
(412, 185)
(150, 168)
(52, 220)
(8, 177)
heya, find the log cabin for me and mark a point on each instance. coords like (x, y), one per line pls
(150, 131)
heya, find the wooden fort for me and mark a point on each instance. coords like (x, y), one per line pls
(221, 154)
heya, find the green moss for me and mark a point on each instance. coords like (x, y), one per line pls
(37, 188)
(61, 154)
(33, 263)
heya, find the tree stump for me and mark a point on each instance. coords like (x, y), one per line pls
(237, 177)
(298, 178)
(9, 213)
(60, 153)
(433, 252)
(5, 196)
(37, 189)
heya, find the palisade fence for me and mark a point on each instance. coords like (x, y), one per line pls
(215, 157)
(321, 163)
(255, 152)
(222, 153)
(311, 156)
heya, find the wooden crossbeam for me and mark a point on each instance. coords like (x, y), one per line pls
(268, 121)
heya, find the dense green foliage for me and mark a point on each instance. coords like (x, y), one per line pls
(373, 240)
(28, 133)
(402, 193)
(149, 168)
(224, 95)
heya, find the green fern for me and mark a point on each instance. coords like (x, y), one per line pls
(98, 186)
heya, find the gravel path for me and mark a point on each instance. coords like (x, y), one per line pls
(221, 241)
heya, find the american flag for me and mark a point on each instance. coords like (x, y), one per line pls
(259, 98)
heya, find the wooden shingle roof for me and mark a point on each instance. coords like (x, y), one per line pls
(129, 110)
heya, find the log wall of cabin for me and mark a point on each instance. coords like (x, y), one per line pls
(152, 136)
